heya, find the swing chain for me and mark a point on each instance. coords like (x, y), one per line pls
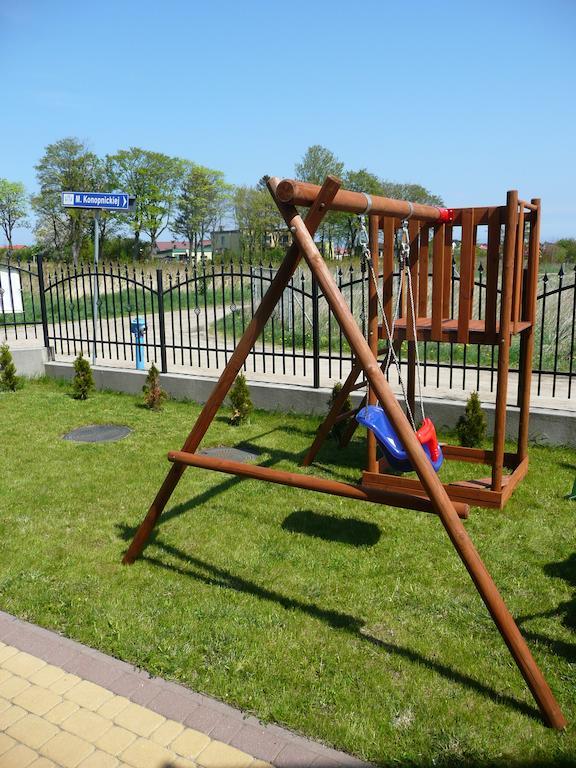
(362, 239)
(404, 259)
(403, 245)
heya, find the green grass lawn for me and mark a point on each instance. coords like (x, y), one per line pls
(352, 623)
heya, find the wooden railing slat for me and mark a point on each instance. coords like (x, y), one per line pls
(388, 266)
(492, 268)
(437, 280)
(466, 276)
(518, 266)
(423, 272)
(447, 286)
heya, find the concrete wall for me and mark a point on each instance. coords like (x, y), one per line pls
(546, 426)
(29, 361)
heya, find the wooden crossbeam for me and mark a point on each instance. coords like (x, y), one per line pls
(310, 483)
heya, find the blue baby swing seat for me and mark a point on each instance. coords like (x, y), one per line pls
(374, 418)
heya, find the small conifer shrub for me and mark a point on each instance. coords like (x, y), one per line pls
(9, 382)
(154, 395)
(240, 399)
(471, 427)
(83, 381)
(340, 427)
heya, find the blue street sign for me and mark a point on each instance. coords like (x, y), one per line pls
(104, 201)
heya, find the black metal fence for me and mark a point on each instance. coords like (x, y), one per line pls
(195, 314)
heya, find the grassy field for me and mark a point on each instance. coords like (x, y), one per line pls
(353, 624)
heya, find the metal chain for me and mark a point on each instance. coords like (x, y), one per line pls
(362, 240)
(405, 255)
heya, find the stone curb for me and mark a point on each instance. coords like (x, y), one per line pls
(217, 720)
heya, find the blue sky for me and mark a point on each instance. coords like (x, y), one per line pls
(468, 99)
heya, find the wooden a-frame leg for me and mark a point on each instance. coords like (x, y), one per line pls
(434, 489)
(315, 215)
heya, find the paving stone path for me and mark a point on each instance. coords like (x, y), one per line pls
(63, 705)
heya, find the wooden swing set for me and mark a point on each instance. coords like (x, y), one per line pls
(428, 493)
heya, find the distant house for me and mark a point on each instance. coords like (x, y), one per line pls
(226, 240)
(180, 249)
(231, 240)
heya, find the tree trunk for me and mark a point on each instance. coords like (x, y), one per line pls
(136, 245)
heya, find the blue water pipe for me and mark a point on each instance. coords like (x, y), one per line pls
(138, 329)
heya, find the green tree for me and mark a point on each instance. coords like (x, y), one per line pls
(8, 379)
(83, 381)
(567, 247)
(317, 163)
(155, 179)
(416, 193)
(200, 205)
(13, 208)
(154, 395)
(471, 427)
(66, 165)
(241, 402)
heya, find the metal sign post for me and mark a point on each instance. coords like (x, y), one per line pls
(120, 202)
(95, 290)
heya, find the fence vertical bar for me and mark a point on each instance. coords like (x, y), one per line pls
(573, 327)
(315, 335)
(160, 289)
(40, 266)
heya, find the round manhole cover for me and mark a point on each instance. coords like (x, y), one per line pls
(98, 433)
(232, 454)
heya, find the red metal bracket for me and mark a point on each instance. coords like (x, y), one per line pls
(446, 215)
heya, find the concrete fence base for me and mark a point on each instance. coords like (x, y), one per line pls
(30, 361)
(549, 426)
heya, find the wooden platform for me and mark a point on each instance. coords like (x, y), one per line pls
(477, 492)
(477, 333)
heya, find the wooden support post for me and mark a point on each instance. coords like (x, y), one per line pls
(265, 309)
(527, 339)
(430, 481)
(504, 338)
(371, 462)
